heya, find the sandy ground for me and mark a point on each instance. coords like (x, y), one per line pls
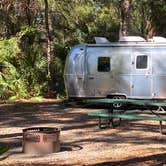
(82, 142)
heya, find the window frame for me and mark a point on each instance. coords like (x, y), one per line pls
(147, 62)
(98, 64)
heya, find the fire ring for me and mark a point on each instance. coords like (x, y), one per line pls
(41, 140)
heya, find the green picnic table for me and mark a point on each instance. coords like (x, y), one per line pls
(113, 115)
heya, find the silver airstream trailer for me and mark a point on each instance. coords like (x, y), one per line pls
(131, 68)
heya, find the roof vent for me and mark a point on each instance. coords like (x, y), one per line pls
(131, 39)
(101, 40)
(157, 39)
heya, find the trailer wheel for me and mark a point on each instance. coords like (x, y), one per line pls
(118, 105)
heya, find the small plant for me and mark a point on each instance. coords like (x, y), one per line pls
(3, 149)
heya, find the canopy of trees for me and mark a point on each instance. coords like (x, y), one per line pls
(36, 35)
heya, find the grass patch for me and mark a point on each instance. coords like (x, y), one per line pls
(3, 149)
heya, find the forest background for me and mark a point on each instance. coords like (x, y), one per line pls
(36, 36)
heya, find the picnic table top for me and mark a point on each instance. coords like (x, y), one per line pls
(141, 102)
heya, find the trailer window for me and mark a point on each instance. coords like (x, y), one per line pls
(142, 62)
(104, 64)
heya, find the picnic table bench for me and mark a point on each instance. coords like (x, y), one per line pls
(157, 114)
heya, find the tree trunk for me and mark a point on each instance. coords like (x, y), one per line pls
(49, 56)
(150, 28)
(125, 6)
(28, 12)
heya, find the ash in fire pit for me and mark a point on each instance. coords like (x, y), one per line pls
(41, 140)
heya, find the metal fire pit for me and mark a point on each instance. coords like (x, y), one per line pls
(41, 140)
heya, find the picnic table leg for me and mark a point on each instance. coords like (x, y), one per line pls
(99, 124)
(103, 125)
(112, 119)
(160, 122)
(108, 120)
(161, 127)
(110, 111)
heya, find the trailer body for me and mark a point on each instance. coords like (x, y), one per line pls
(129, 68)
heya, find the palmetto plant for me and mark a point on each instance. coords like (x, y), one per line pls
(23, 69)
(33, 64)
(9, 77)
(11, 86)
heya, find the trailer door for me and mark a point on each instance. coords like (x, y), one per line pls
(98, 71)
(141, 73)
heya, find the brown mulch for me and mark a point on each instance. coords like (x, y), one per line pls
(82, 142)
